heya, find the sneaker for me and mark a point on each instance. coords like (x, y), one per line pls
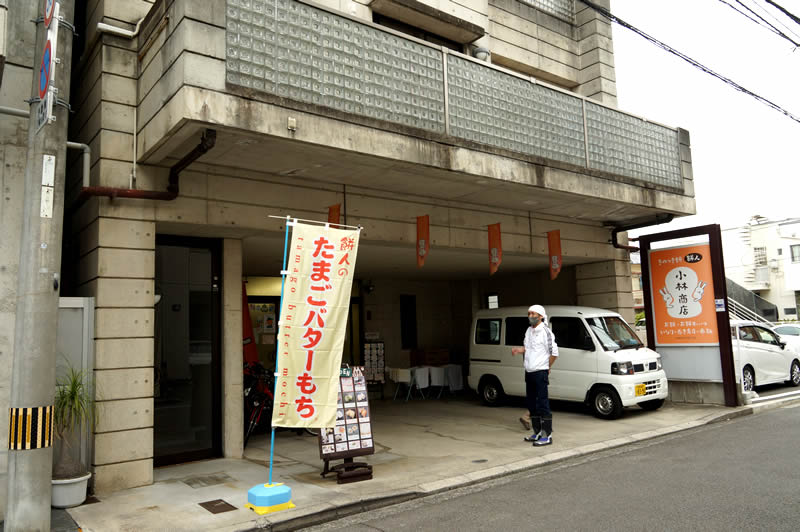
(526, 423)
(543, 440)
(532, 438)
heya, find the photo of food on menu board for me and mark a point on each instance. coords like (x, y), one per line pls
(347, 385)
(352, 434)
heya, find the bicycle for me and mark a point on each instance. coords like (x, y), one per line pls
(258, 397)
(258, 401)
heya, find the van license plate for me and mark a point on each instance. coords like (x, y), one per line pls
(641, 389)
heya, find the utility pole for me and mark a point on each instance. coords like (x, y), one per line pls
(30, 455)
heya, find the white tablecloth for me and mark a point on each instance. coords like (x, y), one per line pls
(453, 376)
(437, 376)
(422, 376)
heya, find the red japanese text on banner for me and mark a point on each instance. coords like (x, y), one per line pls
(313, 319)
(423, 239)
(495, 248)
(554, 249)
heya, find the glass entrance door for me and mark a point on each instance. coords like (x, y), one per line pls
(187, 351)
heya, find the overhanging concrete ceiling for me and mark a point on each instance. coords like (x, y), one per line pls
(271, 155)
(263, 256)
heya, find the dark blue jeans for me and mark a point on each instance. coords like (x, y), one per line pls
(538, 404)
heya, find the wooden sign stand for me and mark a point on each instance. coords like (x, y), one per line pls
(349, 471)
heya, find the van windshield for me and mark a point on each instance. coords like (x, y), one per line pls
(613, 333)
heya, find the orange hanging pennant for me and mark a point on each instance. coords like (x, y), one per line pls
(333, 213)
(423, 239)
(495, 248)
(250, 351)
(554, 249)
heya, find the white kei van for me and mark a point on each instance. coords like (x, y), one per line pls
(601, 361)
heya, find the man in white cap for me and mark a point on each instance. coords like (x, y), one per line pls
(540, 352)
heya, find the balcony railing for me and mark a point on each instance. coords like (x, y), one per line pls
(307, 54)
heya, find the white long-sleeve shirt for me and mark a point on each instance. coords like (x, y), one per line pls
(540, 345)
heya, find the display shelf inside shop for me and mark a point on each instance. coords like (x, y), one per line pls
(375, 367)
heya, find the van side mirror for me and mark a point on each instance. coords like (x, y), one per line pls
(588, 344)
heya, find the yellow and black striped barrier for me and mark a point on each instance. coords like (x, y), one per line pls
(30, 428)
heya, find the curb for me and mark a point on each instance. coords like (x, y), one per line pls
(313, 518)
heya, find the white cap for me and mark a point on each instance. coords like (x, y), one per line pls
(538, 309)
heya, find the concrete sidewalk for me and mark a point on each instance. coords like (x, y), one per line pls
(422, 447)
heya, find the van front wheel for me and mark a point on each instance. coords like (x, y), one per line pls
(606, 403)
(491, 392)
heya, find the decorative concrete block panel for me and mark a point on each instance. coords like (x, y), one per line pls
(491, 107)
(563, 9)
(310, 55)
(627, 145)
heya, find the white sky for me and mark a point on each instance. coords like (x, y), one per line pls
(745, 154)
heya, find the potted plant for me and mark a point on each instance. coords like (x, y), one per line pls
(73, 408)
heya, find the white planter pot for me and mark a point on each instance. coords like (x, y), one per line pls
(70, 492)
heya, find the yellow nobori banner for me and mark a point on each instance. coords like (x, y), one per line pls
(313, 320)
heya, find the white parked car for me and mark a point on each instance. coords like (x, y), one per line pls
(789, 333)
(601, 363)
(762, 356)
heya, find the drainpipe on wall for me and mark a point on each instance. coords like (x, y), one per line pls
(3, 36)
(102, 27)
(207, 141)
(646, 222)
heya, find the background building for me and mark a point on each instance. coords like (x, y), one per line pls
(764, 257)
(637, 285)
(474, 113)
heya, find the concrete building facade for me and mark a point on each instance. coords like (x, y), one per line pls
(764, 257)
(474, 113)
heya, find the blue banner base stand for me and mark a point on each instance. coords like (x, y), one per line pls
(269, 498)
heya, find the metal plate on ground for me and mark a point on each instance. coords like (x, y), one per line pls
(217, 506)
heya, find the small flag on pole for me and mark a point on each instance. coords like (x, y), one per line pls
(495, 248)
(334, 211)
(423, 239)
(554, 249)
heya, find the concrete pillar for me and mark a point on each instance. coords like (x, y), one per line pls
(232, 393)
(13, 154)
(596, 75)
(606, 285)
(118, 269)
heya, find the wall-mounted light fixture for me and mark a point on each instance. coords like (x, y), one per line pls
(482, 53)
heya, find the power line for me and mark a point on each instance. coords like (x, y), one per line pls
(761, 21)
(784, 11)
(613, 18)
(776, 19)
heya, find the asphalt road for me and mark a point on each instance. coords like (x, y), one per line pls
(742, 474)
